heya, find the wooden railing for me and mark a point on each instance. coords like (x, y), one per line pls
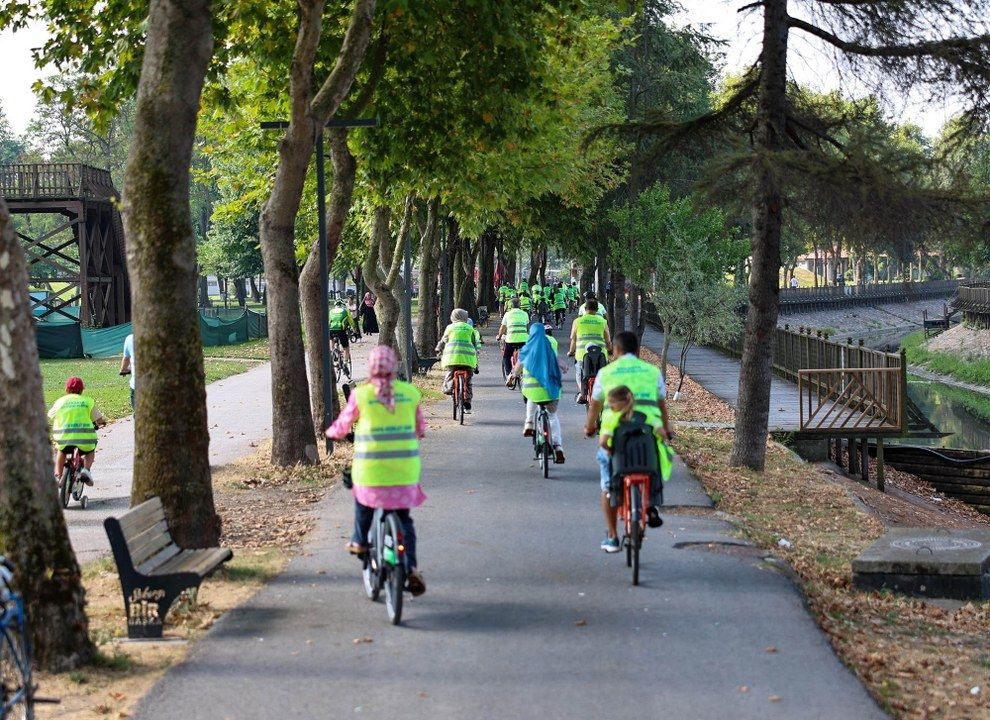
(973, 297)
(852, 294)
(796, 350)
(854, 400)
(50, 181)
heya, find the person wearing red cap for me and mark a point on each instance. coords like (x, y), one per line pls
(74, 417)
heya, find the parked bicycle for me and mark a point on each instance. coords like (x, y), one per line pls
(16, 684)
(71, 484)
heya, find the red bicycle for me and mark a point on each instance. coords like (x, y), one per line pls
(635, 487)
(460, 393)
(71, 484)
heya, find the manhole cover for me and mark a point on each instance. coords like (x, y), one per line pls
(936, 544)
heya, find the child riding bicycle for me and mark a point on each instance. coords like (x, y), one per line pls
(388, 423)
(73, 418)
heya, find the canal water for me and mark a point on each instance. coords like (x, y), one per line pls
(963, 413)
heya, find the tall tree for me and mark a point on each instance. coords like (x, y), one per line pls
(33, 534)
(161, 261)
(311, 107)
(779, 142)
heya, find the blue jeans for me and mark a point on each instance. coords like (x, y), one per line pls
(604, 467)
(363, 515)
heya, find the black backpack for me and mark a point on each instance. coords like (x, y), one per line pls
(634, 451)
(594, 361)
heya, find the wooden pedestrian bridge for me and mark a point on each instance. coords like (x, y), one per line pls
(76, 263)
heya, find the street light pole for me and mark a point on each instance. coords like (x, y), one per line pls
(321, 211)
(321, 206)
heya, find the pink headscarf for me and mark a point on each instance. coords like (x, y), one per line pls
(382, 369)
(367, 299)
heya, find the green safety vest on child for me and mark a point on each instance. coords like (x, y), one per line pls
(664, 452)
(386, 449)
(72, 422)
(516, 323)
(459, 347)
(531, 388)
(590, 329)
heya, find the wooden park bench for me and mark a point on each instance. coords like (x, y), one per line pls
(153, 570)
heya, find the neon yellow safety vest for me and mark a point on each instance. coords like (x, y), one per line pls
(339, 318)
(459, 347)
(664, 451)
(640, 377)
(386, 449)
(559, 303)
(524, 301)
(537, 290)
(516, 323)
(531, 388)
(72, 422)
(590, 329)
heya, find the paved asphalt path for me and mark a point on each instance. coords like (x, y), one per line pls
(525, 617)
(240, 417)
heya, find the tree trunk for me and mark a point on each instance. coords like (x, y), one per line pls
(161, 261)
(449, 265)
(240, 291)
(601, 272)
(381, 253)
(255, 293)
(468, 258)
(33, 534)
(486, 273)
(619, 302)
(204, 292)
(398, 282)
(510, 269)
(310, 287)
(293, 440)
(429, 262)
(587, 282)
(534, 266)
(753, 405)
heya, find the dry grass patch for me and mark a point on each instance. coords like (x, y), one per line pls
(919, 659)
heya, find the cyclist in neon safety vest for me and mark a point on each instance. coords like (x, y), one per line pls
(588, 329)
(388, 423)
(650, 398)
(515, 331)
(460, 352)
(524, 302)
(541, 372)
(73, 416)
(340, 320)
(505, 294)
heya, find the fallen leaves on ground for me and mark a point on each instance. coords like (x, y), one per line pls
(919, 659)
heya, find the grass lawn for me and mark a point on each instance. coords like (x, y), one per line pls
(973, 371)
(252, 349)
(111, 391)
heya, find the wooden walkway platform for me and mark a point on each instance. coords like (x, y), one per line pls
(718, 373)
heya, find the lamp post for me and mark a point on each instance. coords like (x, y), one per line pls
(321, 209)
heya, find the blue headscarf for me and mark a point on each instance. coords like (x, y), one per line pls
(540, 361)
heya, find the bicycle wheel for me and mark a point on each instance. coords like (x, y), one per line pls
(372, 573)
(15, 676)
(545, 429)
(635, 537)
(394, 568)
(65, 487)
(454, 396)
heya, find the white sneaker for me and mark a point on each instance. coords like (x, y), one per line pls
(86, 476)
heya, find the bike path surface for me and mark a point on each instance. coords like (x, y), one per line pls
(525, 616)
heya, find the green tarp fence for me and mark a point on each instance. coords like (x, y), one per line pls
(61, 340)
